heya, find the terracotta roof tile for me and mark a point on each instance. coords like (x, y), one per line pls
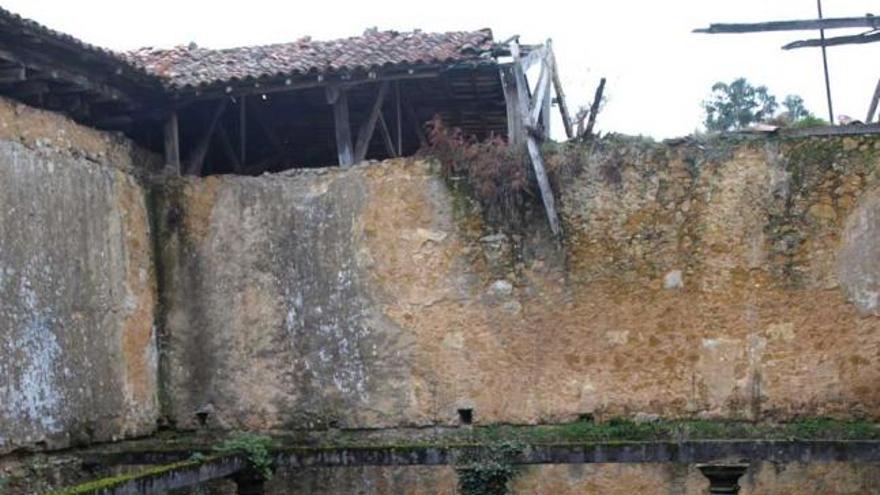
(191, 66)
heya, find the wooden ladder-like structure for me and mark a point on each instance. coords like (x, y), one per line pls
(528, 112)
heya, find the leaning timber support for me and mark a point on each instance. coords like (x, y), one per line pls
(172, 143)
(365, 133)
(338, 97)
(529, 113)
(197, 159)
(872, 109)
(560, 97)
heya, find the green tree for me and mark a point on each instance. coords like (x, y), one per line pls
(738, 104)
(794, 106)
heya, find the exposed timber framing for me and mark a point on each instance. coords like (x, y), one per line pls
(228, 150)
(197, 158)
(338, 97)
(341, 81)
(399, 114)
(529, 124)
(172, 143)
(365, 133)
(257, 111)
(386, 137)
(868, 21)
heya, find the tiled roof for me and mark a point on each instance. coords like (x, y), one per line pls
(16, 23)
(183, 67)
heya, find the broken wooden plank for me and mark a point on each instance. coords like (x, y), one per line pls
(532, 145)
(172, 143)
(197, 159)
(868, 21)
(338, 97)
(857, 39)
(541, 91)
(365, 133)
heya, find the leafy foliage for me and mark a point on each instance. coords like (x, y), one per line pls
(488, 471)
(255, 447)
(738, 104)
(497, 174)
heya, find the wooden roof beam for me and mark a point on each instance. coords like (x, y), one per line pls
(869, 21)
(50, 71)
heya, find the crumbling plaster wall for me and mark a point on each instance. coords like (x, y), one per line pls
(731, 280)
(78, 352)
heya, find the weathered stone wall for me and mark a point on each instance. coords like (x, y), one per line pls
(764, 478)
(78, 351)
(721, 280)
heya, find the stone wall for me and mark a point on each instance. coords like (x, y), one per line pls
(762, 478)
(78, 351)
(719, 280)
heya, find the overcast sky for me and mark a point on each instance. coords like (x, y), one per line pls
(658, 71)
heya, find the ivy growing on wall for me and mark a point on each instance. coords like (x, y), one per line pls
(488, 470)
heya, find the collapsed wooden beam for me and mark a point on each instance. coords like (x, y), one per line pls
(869, 21)
(338, 97)
(365, 133)
(531, 144)
(857, 39)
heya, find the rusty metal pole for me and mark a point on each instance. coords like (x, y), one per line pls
(825, 65)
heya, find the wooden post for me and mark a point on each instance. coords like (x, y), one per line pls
(197, 160)
(417, 126)
(594, 109)
(172, 143)
(399, 118)
(560, 97)
(531, 144)
(365, 133)
(545, 103)
(872, 109)
(511, 98)
(228, 150)
(242, 130)
(338, 97)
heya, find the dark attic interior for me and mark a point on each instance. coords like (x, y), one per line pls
(252, 110)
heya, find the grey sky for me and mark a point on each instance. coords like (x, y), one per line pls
(658, 72)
